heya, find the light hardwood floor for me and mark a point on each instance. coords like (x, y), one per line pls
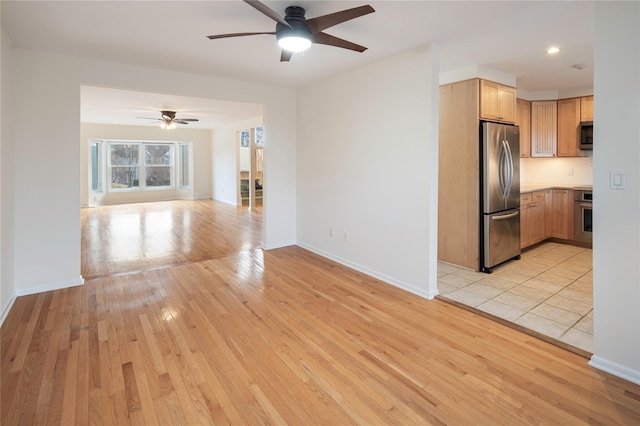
(278, 337)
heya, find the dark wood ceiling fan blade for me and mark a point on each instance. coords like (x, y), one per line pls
(180, 121)
(265, 10)
(321, 23)
(285, 56)
(148, 118)
(329, 40)
(189, 119)
(212, 37)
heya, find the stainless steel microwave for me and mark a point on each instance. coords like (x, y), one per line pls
(586, 135)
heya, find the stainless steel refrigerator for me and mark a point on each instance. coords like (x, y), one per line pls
(500, 194)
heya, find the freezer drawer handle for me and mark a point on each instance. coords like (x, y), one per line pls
(506, 216)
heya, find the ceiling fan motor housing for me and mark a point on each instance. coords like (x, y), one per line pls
(294, 15)
(168, 115)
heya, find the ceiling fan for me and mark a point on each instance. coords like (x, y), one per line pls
(295, 33)
(169, 121)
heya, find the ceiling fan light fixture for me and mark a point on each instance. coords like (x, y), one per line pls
(168, 125)
(294, 40)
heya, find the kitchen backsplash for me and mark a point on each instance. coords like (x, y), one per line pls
(565, 171)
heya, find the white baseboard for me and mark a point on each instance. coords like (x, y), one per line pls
(278, 245)
(616, 369)
(6, 309)
(50, 287)
(372, 273)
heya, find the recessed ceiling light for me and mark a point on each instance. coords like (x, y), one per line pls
(553, 50)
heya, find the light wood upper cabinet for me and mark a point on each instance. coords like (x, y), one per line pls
(569, 127)
(586, 108)
(497, 102)
(523, 119)
(544, 127)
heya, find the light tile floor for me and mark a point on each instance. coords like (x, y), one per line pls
(549, 290)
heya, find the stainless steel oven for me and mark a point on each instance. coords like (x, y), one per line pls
(583, 215)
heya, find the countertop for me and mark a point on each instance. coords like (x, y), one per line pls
(530, 187)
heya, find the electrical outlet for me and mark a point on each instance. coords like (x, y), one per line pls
(571, 171)
(345, 236)
(331, 231)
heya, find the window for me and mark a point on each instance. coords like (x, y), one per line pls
(128, 172)
(125, 166)
(245, 139)
(158, 162)
(185, 170)
(259, 136)
(96, 166)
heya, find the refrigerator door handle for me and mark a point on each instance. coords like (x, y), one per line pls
(506, 216)
(502, 177)
(509, 158)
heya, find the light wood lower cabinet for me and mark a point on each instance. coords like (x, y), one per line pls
(532, 218)
(562, 218)
(548, 213)
(525, 220)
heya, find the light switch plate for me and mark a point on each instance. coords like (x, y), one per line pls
(617, 180)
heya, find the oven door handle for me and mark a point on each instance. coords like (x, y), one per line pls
(586, 205)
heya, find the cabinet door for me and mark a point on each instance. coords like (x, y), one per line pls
(548, 213)
(497, 102)
(586, 108)
(489, 98)
(525, 225)
(562, 214)
(544, 118)
(525, 220)
(537, 222)
(568, 127)
(523, 120)
(507, 104)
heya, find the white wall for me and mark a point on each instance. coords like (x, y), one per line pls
(557, 170)
(7, 292)
(201, 145)
(616, 239)
(226, 162)
(365, 153)
(46, 112)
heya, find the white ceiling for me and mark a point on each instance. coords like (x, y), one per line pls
(508, 36)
